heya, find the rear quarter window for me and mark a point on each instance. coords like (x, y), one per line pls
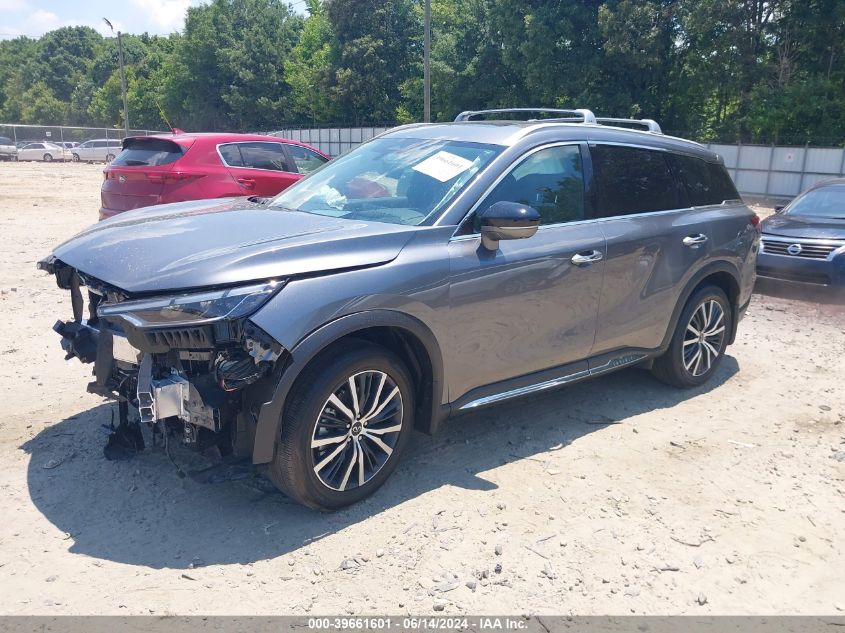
(705, 182)
(148, 152)
(632, 180)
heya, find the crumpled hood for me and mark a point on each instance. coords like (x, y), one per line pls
(222, 242)
(804, 226)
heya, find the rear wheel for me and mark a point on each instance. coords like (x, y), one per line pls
(109, 158)
(699, 341)
(48, 158)
(346, 423)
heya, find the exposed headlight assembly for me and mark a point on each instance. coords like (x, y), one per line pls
(192, 309)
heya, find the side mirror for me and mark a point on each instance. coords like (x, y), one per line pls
(507, 221)
(779, 208)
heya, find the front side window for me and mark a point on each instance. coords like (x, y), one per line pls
(631, 180)
(550, 180)
(393, 180)
(306, 161)
(824, 202)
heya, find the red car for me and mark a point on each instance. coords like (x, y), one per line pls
(175, 168)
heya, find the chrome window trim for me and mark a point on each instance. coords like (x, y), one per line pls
(613, 363)
(513, 164)
(272, 171)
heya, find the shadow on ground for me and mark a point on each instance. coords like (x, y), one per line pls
(808, 293)
(139, 512)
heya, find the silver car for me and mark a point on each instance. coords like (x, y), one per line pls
(101, 150)
(8, 149)
(434, 270)
(44, 151)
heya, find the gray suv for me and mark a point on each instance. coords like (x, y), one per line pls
(436, 269)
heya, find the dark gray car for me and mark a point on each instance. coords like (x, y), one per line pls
(433, 270)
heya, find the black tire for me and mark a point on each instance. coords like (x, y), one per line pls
(75, 158)
(678, 366)
(48, 158)
(293, 467)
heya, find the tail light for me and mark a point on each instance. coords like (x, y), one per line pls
(171, 177)
(159, 177)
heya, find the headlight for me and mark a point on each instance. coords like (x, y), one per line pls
(192, 309)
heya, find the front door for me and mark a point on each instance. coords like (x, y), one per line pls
(531, 304)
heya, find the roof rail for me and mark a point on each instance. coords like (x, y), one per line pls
(650, 124)
(586, 115)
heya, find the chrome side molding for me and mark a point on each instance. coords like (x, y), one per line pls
(614, 363)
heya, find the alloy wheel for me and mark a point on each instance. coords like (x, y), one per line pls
(704, 337)
(357, 430)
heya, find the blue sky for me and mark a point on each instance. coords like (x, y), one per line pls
(36, 17)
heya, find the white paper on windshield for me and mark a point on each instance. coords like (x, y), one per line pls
(443, 166)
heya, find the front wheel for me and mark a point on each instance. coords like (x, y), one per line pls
(75, 158)
(347, 420)
(699, 341)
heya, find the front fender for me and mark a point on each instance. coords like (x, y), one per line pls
(270, 417)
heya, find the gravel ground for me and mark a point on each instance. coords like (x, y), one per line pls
(616, 496)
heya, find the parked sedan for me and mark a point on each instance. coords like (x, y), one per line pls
(8, 150)
(48, 152)
(180, 167)
(804, 242)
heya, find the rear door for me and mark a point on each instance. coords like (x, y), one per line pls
(138, 175)
(654, 240)
(261, 168)
(532, 304)
(33, 151)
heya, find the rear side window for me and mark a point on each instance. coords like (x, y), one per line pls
(5, 141)
(148, 152)
(306, 161)
(255, 155)
(706, 183)
(631, 180)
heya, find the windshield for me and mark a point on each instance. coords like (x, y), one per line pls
(394, 180)
(826, 202)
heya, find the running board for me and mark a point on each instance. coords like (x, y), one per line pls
(612, 364)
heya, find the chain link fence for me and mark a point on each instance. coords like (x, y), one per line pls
(21, 134)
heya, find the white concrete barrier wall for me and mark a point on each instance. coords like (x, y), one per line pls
(757, 170)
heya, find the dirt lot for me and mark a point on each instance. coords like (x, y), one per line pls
(616, 496)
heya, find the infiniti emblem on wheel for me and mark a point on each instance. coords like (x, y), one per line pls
(794, 249)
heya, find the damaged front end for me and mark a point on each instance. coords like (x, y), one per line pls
(189, 362)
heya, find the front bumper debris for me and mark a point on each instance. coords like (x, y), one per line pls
(204, 383)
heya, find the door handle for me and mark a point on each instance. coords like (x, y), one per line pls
(694, 241)
(586, 258)
(249, 183)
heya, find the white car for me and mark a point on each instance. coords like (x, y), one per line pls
(102, 150)
(8, 150)
(47, 152)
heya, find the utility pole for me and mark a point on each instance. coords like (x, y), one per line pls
(427, 64)
(122, 78)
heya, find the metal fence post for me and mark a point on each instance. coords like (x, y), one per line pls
(803, 166)
(842, 166)
(769, 173)
(738, 161)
